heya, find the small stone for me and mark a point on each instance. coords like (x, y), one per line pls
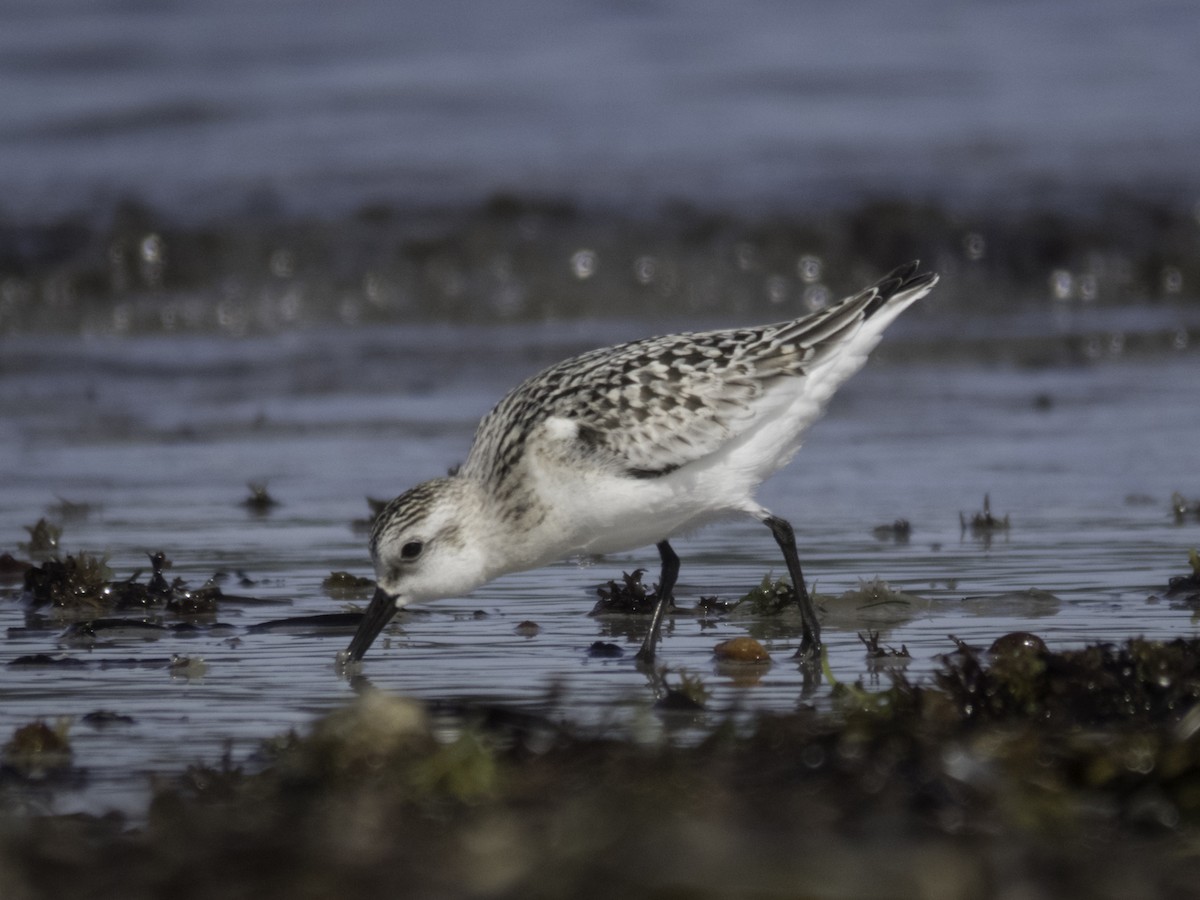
(1016, 642)
(604, 650)
(741, 649)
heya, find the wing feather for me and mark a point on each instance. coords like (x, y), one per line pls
(649, 407)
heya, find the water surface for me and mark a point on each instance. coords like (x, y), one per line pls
(161, 434)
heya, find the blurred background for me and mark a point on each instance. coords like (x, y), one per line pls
(448, 160)
(204, 107)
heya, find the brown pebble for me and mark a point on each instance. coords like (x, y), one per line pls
(1017, 642)
(741, 649)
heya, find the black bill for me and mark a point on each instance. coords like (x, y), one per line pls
(378, 614)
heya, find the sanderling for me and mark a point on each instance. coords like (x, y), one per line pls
(629, 446)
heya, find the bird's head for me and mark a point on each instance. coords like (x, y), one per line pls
(426, 544)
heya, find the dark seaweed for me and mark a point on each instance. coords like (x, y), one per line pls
(630, 597)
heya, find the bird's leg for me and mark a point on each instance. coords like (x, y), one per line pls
(666, 584)
(810, 640)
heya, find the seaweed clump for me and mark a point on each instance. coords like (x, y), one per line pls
(983, 524)
(769, 597)
(898, 531)
(77, 582)
(877, 651)
(1136, 683)
(630, 597)
(1052, 740)
(1182, 507)
(1187, 587)
(82, 585)
(43, 539)
(259, 502)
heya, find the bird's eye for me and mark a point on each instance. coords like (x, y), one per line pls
(411, 550)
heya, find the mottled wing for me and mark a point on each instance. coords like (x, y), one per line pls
(659, 404)
(652, 406)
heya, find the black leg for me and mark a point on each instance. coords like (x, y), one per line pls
(666, 584)
(810, 641)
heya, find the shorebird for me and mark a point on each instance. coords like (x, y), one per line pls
(628, 446)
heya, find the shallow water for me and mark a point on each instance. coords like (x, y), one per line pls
(161, 434)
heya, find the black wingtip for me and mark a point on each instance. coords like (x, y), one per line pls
(903, 278)
(904, 272)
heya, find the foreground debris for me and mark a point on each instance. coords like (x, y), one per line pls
(1015, 769)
